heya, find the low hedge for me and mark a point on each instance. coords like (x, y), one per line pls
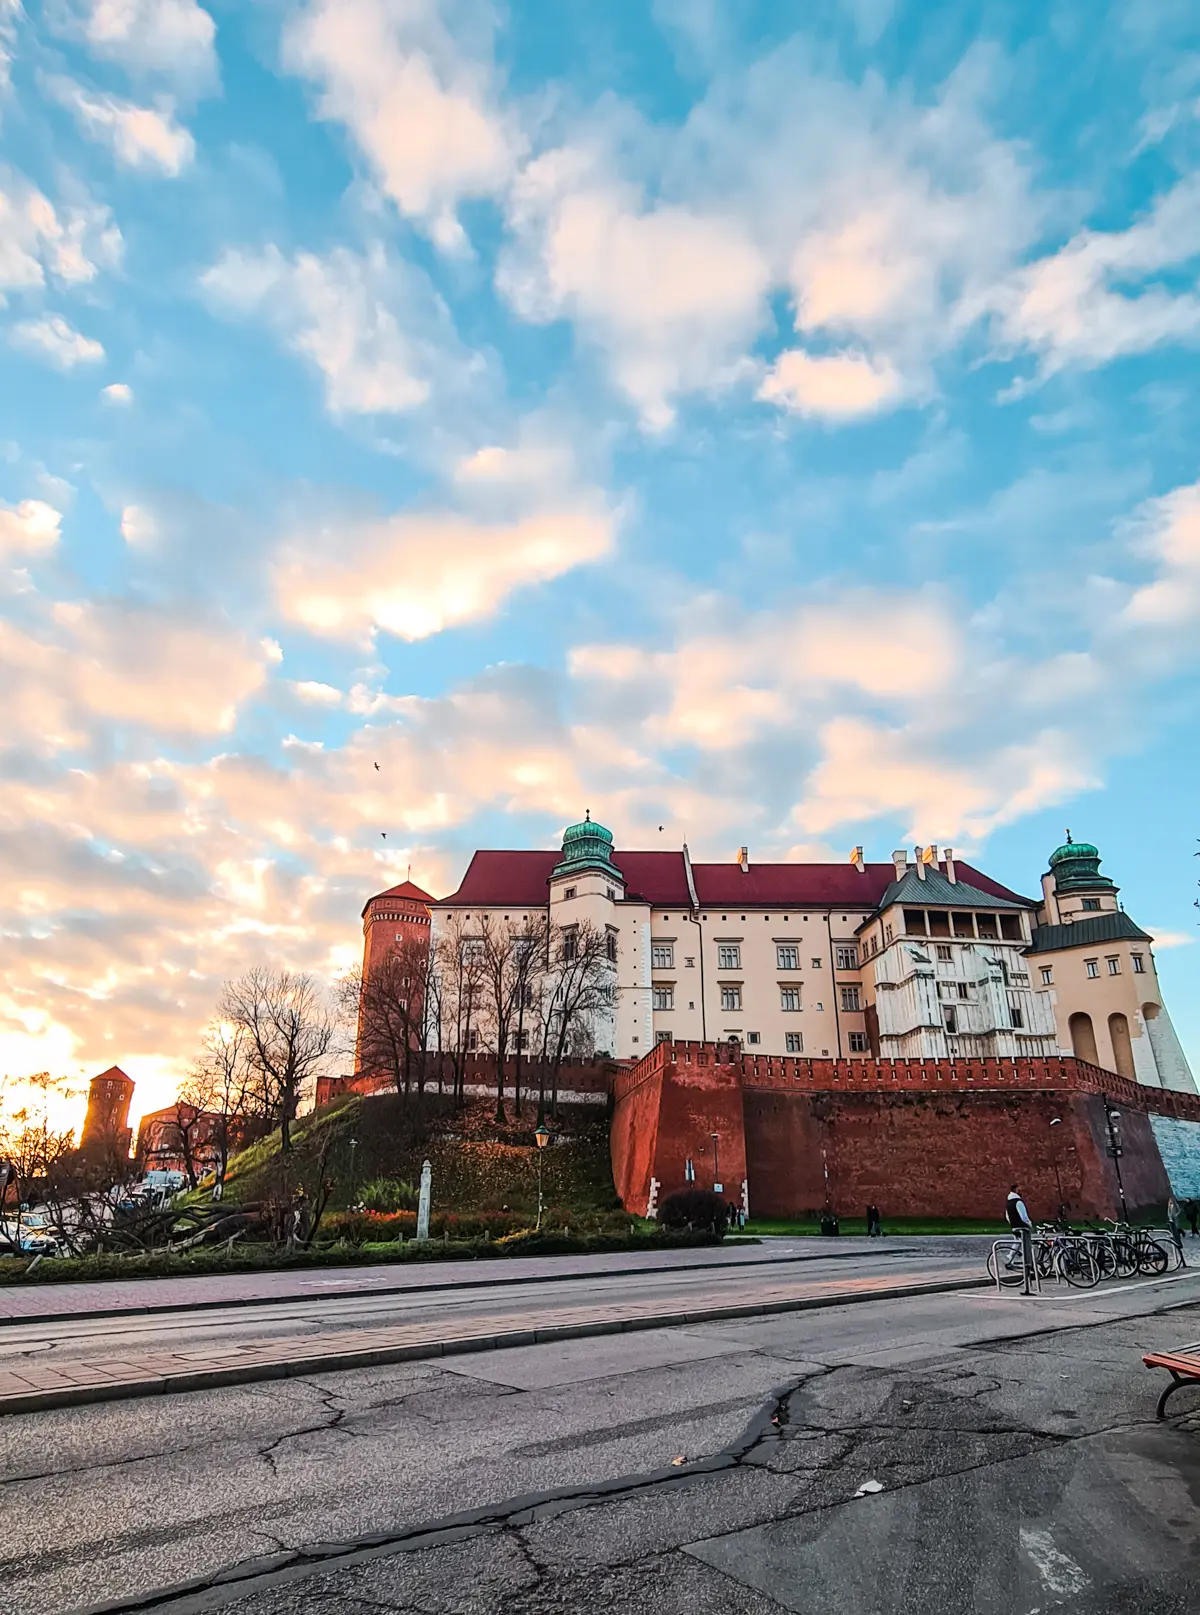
(262, 1258)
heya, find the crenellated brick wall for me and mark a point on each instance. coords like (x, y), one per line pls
(921, 1137)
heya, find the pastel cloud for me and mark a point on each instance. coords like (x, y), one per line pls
(372, 325)
(837, 386)
(38, 240)
(175, 38)
(1167, 530)
(417, 575)
(671, 293)
(138, 136)
(1098, 297)
(29, 528)
(56, 341)
(423, 112)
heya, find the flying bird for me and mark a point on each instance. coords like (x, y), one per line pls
(383, 833)
(377, 768)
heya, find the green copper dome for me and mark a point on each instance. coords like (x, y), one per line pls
(1076, 867)
(587, 846)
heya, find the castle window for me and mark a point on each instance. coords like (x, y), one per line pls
(1047, 976)
(849, 999)
(787, 957)
(663, 956)
(729, 957)
(664, 998)
(1092, 966)
(1092, 904)
(753, 1037)
(570, 892)
(662, 1037)
(610, 894)
(1114, 965)
(1017, 1015)
(950, 1018)
(1139, 967)
(816, 964)
(610, 947)
(986, 926)
(570, 944)
(731, 998)
(945, 953)
(793, 1042)
(847, 958)
(963, 990)
(689, 962)
(887, 933)
(858, 1043)
(789, 998)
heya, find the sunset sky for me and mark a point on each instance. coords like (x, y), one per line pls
(777, 422)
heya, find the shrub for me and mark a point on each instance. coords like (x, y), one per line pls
(389, 1194)
(694, 1208)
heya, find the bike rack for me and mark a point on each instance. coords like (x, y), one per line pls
(1006, 1289)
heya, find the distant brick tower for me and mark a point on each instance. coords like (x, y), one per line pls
(389, 919)
(106, 1130)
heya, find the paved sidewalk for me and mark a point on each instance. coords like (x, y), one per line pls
(52, 1303)
(38, 1384)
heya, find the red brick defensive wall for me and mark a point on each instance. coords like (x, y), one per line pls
(918, 1138)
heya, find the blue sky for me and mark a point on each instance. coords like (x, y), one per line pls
(776, 422)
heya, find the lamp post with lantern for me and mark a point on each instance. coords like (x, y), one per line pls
(541, 1138)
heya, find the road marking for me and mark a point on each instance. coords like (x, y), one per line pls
(1123, 1289)
(1058, 1570)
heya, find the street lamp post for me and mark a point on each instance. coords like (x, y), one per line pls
(353, 1147)
(541, 1139)
(1111, 1117)
(716, 1166)
(1062, 1210)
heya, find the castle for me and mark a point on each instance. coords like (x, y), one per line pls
(929, 959)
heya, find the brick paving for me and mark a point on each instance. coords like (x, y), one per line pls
(42, 1383)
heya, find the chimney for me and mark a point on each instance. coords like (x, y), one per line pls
(856, 858)
(900, 862)
(743, 859)
(931, 849)
(950, 874)
(919, 853)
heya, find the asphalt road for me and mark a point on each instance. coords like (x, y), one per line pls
(459, 1295)
(706, 1469)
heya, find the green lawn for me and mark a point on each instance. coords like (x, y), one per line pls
(897, 1225)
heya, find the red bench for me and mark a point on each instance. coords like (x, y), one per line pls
(1182, 1365)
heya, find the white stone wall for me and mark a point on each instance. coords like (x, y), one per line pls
(1169, 1058)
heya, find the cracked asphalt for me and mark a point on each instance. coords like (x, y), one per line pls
(702, 1469)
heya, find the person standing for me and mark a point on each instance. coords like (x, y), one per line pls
(874, 1223)
(1175, 1222)
(1192, 1208)
(1019, 1221)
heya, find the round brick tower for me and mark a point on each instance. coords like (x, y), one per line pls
(390, 919)
(106, 1129)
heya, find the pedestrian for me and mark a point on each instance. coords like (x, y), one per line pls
(1019, 1221)
(1175, 1222)
(874, 1224)
(1193, 1216)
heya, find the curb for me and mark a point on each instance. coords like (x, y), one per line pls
(359, 1292)
(379, 1356)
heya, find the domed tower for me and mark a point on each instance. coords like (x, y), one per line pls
(586, 887)
(1096, 967)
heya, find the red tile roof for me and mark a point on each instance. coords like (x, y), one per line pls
(519, 880)
(406, 888)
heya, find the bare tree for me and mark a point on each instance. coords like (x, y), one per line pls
(289, 1035)
(389, 1002)
(513, 958)
(579, 985)
(460, 965)
(223, 1084)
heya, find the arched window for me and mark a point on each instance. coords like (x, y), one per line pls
(1083, 1038)
(1118, 1031)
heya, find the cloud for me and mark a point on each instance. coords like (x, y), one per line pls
(1096, 299)
(1171, 939)
(422, 110)
(55, 340)
(37, 240)
(372, 325)
(139, 137)
(837, 386)
(671, 293)
(117, 392)
(175, 38)
(113, 662)
(30, 528)
(1167, 531)
(416, 575)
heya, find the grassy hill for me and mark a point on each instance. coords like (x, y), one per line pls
(478, 1164)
